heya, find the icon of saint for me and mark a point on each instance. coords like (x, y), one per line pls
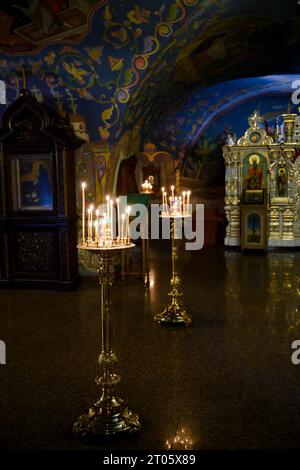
(281, 183)
(254, 178)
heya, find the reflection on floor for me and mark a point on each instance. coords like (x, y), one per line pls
(228, 380)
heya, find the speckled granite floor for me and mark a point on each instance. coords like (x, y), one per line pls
(228, 379)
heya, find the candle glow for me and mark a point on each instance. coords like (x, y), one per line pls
(100, 226)
(178, 205)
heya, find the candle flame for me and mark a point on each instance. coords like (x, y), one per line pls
(83, 185)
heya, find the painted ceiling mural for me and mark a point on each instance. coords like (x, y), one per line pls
(27, 26)
(97, 77)
(122, 66)
(123, 62)
(179, 129)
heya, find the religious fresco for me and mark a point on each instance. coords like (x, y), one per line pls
(110, 71)
(180, 129)
(102, 71)
(27, 26)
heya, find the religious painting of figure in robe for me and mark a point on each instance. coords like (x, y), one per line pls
(282, 189)
(254, 177)
(32, 184)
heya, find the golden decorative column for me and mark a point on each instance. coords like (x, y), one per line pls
(288, 223)
(274, 224)
(108, 415)
(175, 313)
(289, 121)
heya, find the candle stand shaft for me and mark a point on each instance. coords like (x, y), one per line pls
(175, 313)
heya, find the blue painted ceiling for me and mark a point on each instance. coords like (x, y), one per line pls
(120, 63)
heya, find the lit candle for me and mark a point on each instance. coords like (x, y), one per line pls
(166, 202)
(118, 216)
(111, 219)
(91, 221)
(97, 226)
(107, 202)
(163, 199)
(127, 224)
(96, 231)
(88, 213)
(183, 201)
(83, 185)
(122, 226)
(90, 229)
(172, 189)
(188, 201)
(104, 223)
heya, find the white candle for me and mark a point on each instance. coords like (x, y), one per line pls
(163, 199)
(111, 220)
(127, 224)
(96, 231)
(83, 185)
(104, 223)
(90, 231)
(122, 226)
(183, 201)
(107, 203)
(180, 204)
(166, 202)
(97, 226)
(172, 189)
(91, 221)
(88, 213)
(188, 201)
(118, 216)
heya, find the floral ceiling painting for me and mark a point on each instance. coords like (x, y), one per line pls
(126, 72)
(27, 26)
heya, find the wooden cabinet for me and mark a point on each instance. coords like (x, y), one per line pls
(38, 223)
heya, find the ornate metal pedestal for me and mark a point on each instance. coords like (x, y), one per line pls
(108, 415)
(175, 313)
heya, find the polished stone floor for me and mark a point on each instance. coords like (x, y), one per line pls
(227, 380)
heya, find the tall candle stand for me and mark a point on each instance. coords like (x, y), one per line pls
(175, 313)
(108, 415)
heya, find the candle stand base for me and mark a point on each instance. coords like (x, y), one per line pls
(173, 316)
(175, 313)
(98, 423)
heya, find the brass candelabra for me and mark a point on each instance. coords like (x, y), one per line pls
(175, 313)
(109, 415)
